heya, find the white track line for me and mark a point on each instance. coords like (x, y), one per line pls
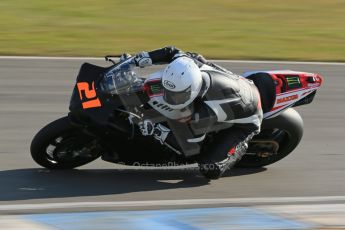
(14, 222)
(219, 61)
(184, 202)
(48, 58)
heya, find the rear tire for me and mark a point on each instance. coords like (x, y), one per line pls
(291, 123)
(57, 145)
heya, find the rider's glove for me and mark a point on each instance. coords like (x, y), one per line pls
(146, 127)
(198, 57)
(124, 57)
(143, 59)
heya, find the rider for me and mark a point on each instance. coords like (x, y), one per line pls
(201, 97)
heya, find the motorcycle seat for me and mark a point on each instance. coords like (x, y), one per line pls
(266, 87)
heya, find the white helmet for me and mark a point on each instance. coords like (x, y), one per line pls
(182, 82)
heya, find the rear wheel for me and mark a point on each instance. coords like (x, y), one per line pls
(279, 136)
(59, 145)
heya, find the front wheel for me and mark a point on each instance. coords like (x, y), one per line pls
(59, 145)
(279, 136)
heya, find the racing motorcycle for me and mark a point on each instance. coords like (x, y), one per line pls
(106, 101)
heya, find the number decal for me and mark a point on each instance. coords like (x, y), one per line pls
(90, 94)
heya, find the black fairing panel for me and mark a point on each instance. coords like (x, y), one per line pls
(106, 114)
(88, 73)
(92, 74)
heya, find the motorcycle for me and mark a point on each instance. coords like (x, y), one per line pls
(107, 103)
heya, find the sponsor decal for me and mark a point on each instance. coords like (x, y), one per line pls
(169, 84)
(286, 99)
(293, 82)
(156, 89)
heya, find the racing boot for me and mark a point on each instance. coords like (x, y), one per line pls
(219, 157)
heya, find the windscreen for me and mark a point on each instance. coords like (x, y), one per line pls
(121, 80)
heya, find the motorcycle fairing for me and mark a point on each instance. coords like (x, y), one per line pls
(88, 81)
(292, 88)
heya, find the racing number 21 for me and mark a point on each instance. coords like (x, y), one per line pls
(90, 95)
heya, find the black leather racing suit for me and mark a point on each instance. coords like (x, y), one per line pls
(227, 104)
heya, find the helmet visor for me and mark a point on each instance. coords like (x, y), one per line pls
(177, 98)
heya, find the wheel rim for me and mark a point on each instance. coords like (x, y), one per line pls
(268, 143)
(71, 148)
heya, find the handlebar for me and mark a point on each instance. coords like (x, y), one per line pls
(109, 58)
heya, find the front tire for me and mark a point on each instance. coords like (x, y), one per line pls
(290, 126)
(59, 145)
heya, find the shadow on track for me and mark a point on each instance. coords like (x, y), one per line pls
(24, 184)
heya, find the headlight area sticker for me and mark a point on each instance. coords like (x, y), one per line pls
(92, 101)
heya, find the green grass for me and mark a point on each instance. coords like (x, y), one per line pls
(241, 29)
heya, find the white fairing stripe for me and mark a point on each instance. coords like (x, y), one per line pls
(275, 113)
(300, 93)
(217, 109)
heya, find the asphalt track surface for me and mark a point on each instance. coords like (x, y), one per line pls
(36, 92)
